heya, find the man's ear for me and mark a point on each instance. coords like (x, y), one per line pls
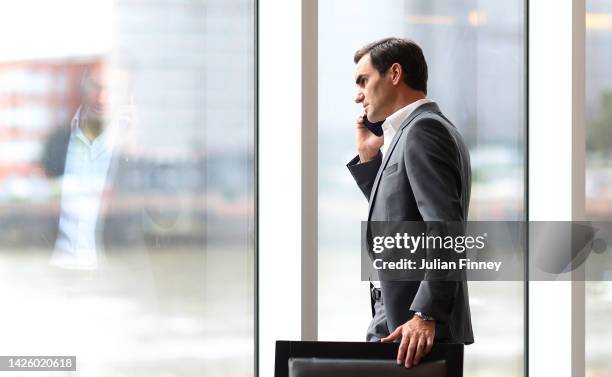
(396, 73)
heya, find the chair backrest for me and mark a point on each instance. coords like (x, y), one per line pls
(317, 367)
(308, 356)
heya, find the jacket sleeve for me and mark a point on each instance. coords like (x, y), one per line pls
(433, 168)
(365, 173)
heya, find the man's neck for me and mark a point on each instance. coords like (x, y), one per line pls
(405, 99)
(92, 127)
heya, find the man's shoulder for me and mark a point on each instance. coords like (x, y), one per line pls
(429, 122)
(432, 131)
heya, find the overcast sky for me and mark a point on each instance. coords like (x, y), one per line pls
(33, 29)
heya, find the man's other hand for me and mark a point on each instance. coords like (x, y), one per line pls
(417, 339)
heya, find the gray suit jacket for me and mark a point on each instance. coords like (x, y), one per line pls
(425, 176)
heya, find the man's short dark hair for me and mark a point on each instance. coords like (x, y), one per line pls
(385, 52)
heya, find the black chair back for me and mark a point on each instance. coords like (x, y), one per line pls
(316, 367)
(357, 359)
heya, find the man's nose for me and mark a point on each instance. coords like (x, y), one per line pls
(359, 97)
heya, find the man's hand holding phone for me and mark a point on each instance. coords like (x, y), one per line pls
(368, 143)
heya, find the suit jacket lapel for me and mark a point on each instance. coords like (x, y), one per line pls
(431, 106)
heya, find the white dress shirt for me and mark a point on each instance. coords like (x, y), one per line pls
(390, 127)
(83, 183)
(394, 122)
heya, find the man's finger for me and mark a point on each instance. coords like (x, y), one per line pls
(394, 335)
(401, 352)
(410, 352)
(420, 350)
(429, 344)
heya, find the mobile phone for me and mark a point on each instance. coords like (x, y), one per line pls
(375, 128)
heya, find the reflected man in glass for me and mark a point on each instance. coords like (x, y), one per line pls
(83, 155)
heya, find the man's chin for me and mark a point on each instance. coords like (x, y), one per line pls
(374, 118)
(96, 114)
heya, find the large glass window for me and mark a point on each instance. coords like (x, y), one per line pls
(475, 53)
(127, 185)
(598, 174)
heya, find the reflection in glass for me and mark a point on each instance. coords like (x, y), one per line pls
(126, 186)
(475, 54)
(598, 175)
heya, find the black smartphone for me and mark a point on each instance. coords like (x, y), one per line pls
(375, 128)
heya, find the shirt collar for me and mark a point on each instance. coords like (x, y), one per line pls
(396, 119)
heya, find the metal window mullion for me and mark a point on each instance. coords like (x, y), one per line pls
(556, 175)
(309, 163)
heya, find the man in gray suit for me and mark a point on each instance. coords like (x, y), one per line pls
(418, 170)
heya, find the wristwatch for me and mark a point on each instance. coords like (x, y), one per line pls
(424, 317)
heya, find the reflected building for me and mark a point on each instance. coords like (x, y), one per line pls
(197, 118)
(195, 145)
(36, 97)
